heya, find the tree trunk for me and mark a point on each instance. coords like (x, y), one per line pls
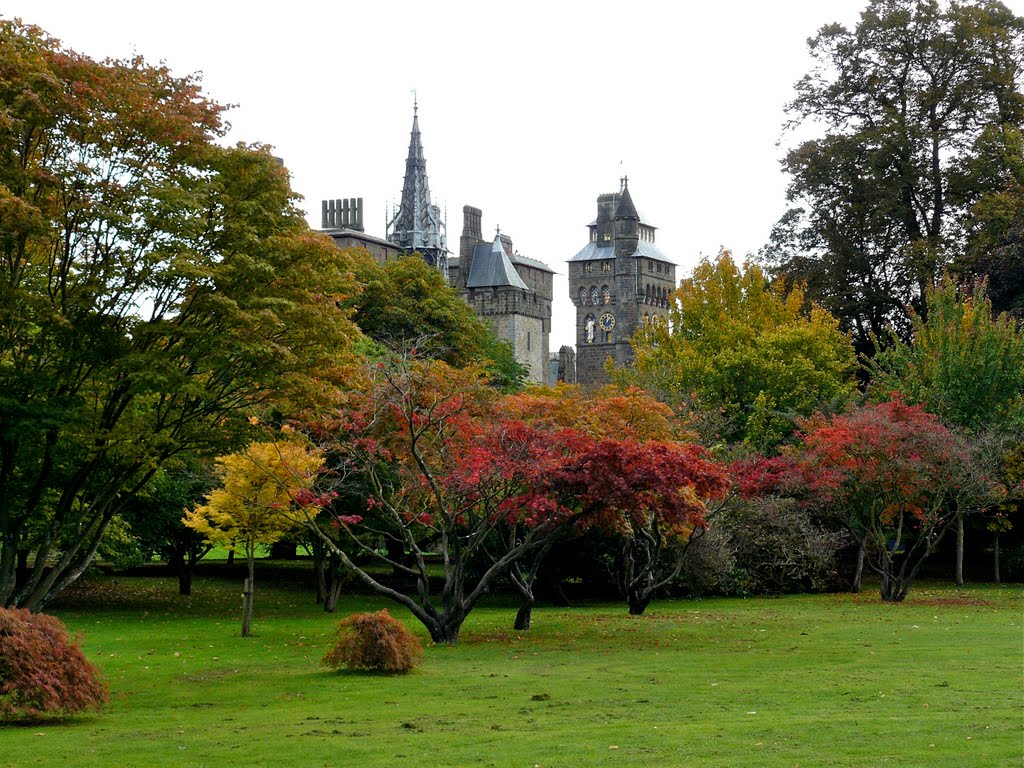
(333, 593)
(525, 614)
(247, 603)
(321, 582)
(995, 559)
(959, 549)
(333, 583)
(858, 575)
(231, 555)
(184, 577)
(396, 554)
(638, 603)
(446, 633)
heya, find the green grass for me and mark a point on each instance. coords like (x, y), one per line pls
(828, 680)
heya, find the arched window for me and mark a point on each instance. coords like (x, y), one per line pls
(647, 294)
(593, 295)
(606, 295)
(583, 296)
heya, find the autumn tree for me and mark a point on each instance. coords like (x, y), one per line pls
(651, 492)
(747, 349)
(439, 474)
(963, 365)
(890, 473)
(661, 482)
(265, 492)
(917, 109)
(155, 288)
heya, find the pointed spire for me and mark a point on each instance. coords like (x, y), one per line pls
(625, 208)
(417, 226)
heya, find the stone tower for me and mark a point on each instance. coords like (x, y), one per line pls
(417, 225)
(507, 290)
(619, 282)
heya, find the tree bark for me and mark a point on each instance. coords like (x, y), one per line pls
(247, 604)
(524, 614)
(959, 549)
(858, 574)
(995, 560)
(638, 603)
(185, 576)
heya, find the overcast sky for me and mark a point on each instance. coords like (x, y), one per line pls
(529, 110)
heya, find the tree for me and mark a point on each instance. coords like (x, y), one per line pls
(654, 535)
(995, 242)
(911, 102)
(891, 474)
(440, 473)
(155, 289)
(407, 302)
(154, 519)
(963, 365)
(651, 492)
(736, 344)
(253, 507)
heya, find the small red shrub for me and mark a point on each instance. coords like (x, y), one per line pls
(41, 670)
(376, 642)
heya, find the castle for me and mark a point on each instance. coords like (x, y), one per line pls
(618, 282)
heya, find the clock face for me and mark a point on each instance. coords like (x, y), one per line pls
(607, 321)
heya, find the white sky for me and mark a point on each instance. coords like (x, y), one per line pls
(529, 110)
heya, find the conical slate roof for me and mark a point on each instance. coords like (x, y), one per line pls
(492, 268)
(625, 209)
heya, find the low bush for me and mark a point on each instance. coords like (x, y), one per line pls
(779, 547)
(42, 672)
(375, 642)
(709, 564)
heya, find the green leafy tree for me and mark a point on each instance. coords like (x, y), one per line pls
(963, 365)
(154, 518)
(995, 243)
(407, 303)
(736, 344)
(918, 105)
(155, 287)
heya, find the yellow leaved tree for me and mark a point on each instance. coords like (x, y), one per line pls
(263, 492)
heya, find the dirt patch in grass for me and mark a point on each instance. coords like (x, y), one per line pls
(959, 600)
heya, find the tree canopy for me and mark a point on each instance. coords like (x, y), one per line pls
(920, 106)
(154, 288)
(737, 344)
(962, 364)
(407, 303)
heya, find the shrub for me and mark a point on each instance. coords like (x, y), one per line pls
(709, 563)
(375, 642)
(41, 670)
(780, 548)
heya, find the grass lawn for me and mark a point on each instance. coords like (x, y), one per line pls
(827, 680)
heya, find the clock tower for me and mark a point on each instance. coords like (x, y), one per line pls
(619, 282)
